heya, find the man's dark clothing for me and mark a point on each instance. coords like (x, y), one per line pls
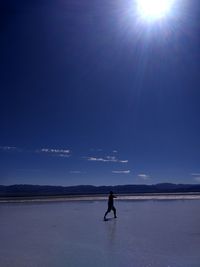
(110, 206)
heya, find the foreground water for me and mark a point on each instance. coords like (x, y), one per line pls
(151, 233)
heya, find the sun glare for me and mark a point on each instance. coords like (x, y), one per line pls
(154, 9)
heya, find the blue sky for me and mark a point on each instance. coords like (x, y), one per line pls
(92, 95)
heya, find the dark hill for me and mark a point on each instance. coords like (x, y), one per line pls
(43, 190)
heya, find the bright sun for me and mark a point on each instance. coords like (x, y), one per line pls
(154, 9)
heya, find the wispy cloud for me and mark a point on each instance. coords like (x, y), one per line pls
(143, 176)
(9, 148)
(107, 159)
(196, 176)
(50, 150)
(63, 153)
(121, 172)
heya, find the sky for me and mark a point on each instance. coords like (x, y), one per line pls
(91, 93)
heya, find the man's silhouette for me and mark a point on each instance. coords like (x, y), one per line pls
(110, 205)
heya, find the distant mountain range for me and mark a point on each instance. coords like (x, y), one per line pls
(43, 190)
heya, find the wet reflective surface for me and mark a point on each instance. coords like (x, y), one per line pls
(73, 234)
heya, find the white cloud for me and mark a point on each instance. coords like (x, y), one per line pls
(75, 172)
(50, 150)
(111, 158)
(95, 159)
(107, 159)
(143, 176)
(8, 148)
(122, 172)
(115, 151)
(63, 153)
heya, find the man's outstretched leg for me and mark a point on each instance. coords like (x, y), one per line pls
(108, 210)
(114, 210)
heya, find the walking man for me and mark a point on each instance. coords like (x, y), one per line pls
(110, 205)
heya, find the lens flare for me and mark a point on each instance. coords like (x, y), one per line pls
(154, 9)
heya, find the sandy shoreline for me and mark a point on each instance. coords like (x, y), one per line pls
(138, 197)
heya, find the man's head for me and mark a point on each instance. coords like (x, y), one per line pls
(111, 192)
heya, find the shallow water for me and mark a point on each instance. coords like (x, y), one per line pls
(149, 233)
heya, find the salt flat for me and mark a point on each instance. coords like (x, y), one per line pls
(150, 233)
